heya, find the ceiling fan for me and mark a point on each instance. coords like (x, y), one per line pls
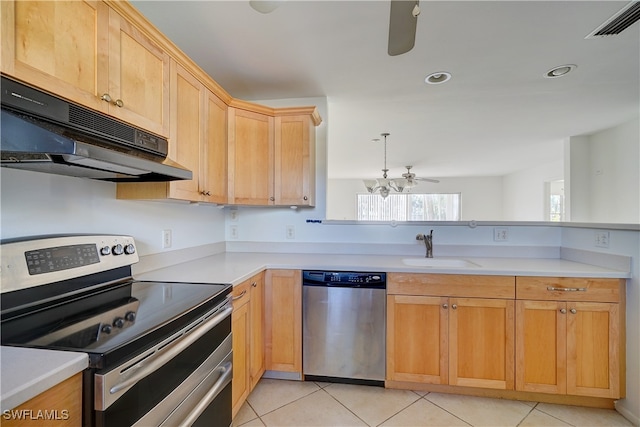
(403, 19)
(411, 178)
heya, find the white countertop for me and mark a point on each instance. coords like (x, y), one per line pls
(235, 267)
(27, 372)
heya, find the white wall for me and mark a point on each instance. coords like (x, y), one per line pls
(603, 175)
(36, 203)
(524, 192)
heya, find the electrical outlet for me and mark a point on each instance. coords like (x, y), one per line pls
(500, 234)
(233, 215)
(291, 232)
(602, 239)
(166, 239)
(233, 231)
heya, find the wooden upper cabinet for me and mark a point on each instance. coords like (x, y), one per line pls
(295, 144)
(138, 77)
(251, 151)
(198, 142)
(213, 156)
(187, 130)
(59, 46)
(88, 53)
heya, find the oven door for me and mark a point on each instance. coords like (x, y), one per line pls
(185, 374)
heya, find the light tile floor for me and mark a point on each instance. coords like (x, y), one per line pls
(301, 404)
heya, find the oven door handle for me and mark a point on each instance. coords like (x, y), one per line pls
(155, 362)
(225, 378)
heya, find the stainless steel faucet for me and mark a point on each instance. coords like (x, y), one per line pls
(428, 242)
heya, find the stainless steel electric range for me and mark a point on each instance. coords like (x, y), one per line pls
(159, 352)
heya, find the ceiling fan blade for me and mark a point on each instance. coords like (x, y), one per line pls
(402, 27)
(427, 180)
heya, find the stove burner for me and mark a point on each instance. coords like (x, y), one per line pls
(90, 330)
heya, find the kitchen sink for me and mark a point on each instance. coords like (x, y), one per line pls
(439, 263)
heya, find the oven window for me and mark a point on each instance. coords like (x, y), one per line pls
(147, 393)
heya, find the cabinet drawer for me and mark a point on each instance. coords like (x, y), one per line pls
(240, 294)
(451, 285)
(569, 289)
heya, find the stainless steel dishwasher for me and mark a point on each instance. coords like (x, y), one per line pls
(344, 326)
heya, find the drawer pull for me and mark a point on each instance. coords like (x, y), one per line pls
(243, 293)
(552, 288)
(563, 310)
(573, 311)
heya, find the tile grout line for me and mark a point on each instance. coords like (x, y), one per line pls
(280, 407)
(448, 412)
(344, 406)
(412, 403)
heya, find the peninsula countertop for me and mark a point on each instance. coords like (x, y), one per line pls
(235, 267)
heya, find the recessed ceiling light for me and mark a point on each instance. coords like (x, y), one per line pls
(437, 78)
(560, 71)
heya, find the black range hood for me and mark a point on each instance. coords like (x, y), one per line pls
(43, 133)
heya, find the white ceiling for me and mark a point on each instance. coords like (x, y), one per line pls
(496, 115)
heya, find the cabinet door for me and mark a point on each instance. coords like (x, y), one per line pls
(187, 130)
(593, 349)
(58, 46)
(256, 362)
(481, 345)
(213, 164)
(138, 77)
(541, 355)
(417, 339)
(250, 158)
(283, 320)
(294, 181)
(240, 337)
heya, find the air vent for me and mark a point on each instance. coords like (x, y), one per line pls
(619, 22)
(98, 123)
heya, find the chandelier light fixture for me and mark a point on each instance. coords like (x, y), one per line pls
(384, 185)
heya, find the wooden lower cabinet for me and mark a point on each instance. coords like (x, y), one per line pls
(417, 339)
(481, 343)
(247, 327)
(240, 325)
(61, 406)
(256, 335)
(569, 346)
(436, 338)
(283, 321)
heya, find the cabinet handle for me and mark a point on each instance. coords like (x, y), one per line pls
(107, 98)
(454, 306)
(563, 310)
(272, 198)
(552, 288)
(305, 198)
(243, 293)
(445, 305)
(573, 311)
(254, 285)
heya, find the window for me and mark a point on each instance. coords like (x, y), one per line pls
(409, 207)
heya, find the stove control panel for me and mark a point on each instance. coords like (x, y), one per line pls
(38, 261)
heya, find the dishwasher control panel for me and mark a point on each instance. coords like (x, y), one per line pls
(344, 278)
